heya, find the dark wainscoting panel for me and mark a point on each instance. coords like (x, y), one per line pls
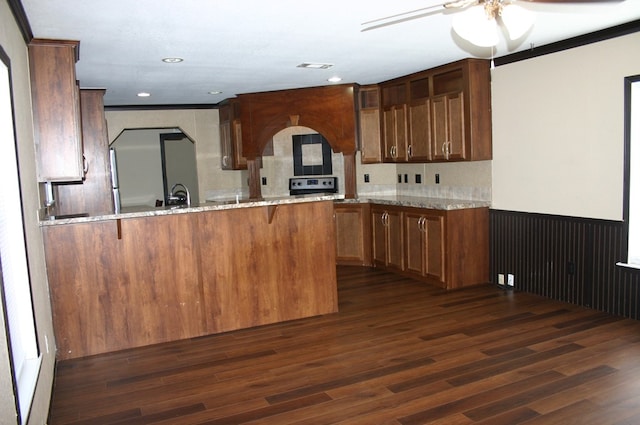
(565, 258)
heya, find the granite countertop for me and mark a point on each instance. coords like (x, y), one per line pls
(420, 202)
(223, 204)
(226, 204)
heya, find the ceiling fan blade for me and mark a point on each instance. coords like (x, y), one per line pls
(573, 1)
(410, 12)
(414, 14)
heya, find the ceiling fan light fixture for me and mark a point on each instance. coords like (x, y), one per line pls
(476, 26)
(517, 20)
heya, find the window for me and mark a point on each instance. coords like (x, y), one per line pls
(16, 288)
(632, 169)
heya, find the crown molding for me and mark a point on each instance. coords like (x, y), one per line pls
(570, 43)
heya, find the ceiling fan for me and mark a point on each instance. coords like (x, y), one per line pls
(477, 20)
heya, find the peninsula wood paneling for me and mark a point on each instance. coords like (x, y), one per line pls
(154, 279)
(110, 294)
(264, 265)
(567, 259)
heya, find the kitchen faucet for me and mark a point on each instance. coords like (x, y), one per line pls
(174, 195)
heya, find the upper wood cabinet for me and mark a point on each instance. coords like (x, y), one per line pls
(369, 124)
(231, 137)
(442, 114)
(56, 110)
(93, 195)
(394, 122)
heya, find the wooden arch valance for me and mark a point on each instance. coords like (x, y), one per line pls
(329, 110)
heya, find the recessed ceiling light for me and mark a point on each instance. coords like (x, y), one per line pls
(215, 92)
(144, 94)
(315, 65)
(172, 60)
(334, 79)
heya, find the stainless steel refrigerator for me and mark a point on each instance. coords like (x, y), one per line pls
(114, 180)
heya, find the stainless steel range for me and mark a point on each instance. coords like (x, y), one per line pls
(310, 185)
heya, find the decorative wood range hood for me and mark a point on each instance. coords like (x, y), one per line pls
(330, 110)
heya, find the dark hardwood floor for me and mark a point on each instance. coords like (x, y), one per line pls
(398, 352)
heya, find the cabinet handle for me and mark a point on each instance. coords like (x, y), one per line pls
(385, 218)
(445, 149)
(224, 160)
(85, 165)
(421, 224)
(410, 151)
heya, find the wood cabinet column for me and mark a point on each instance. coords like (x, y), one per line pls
(255, 191)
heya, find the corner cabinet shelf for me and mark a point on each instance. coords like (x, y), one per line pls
(437, 115)
(56, 110)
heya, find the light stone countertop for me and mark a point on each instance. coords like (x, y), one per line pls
(227, 204)
(420, 202)
(145, 211)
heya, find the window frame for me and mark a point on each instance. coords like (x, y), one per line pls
(629, 83)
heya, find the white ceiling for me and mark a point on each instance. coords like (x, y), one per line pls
(245, 46)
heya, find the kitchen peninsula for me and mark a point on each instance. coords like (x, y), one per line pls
(125, 280)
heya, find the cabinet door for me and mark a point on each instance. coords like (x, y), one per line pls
(352, 246)
(447, 112)
(419, 149)
(378, 237)
(231, 141)
(414, 243)
(395, 250)
(93, 195)
(456, 123)
(239, 161)
(226, 161)
(395, 133)
(56, 110)
(434, 239)
(370, 136)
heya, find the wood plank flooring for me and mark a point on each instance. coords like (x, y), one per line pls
(398, 352)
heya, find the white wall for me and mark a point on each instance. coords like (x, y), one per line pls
(13, 44)
(558, 142)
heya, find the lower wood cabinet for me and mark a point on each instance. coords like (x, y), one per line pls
(424, 244)
(447, 248)
(132, 282)
(353, 234)
(387, 237)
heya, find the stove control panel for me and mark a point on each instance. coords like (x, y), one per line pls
(303, 185)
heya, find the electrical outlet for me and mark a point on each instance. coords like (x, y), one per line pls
(418, 178)
(500, 279)
(264, 181)
(366, 178)
(406, 178)
(510, 280)
(399, 178)
(437, 178)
